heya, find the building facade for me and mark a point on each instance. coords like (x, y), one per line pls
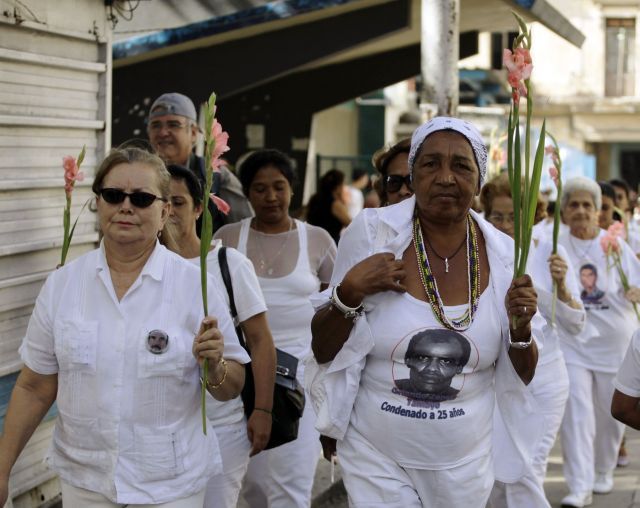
(55, 97)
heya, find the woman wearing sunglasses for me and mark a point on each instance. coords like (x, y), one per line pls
(393, 166)
(116, 339)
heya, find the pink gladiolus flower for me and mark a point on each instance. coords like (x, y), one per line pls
(553, 173)
(221, 204)
(220, 139)
(519, 66)
(617, 230)
(551, 150)
(72, 173)
(609, 243)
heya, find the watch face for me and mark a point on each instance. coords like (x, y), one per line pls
(157, 342)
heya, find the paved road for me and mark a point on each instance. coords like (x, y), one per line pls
(626, 493)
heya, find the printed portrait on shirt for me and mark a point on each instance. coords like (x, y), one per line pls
(434, 360)
(157, 342)
(591, 294)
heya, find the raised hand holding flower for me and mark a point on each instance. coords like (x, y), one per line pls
(612, 249)
(524, 187)
(215, 145)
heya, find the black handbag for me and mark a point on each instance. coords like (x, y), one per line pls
(288, 395)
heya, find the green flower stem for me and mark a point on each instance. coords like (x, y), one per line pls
(66, 222)
(617, 261)
(206, 234)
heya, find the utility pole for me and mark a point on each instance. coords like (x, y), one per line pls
(440, 52)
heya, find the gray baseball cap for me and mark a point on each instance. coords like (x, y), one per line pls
(173, 104)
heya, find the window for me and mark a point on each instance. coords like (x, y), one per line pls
(620, 57)
(500, 41)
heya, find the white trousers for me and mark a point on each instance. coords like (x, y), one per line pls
(590, 435)
(223, 489)
(283, 476)
(373, 480)
(550, 387)
(75, 497)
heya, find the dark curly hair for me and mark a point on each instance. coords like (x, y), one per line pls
(260, 159)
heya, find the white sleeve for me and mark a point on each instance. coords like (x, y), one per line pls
(38, 346)
(246, 288)
(628, 379)
(630, 265)
(217, 308)
(572, 320)
(355, 245)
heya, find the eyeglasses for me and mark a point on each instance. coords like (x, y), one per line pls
(171, 125)
(393, 183)
(497, 218)
(138, 199)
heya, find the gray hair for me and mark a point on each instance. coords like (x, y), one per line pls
(581, 183)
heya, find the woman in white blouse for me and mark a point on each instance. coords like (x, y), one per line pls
(590, 436)
(116, 339)
(419, 324)
(239, 438)
(293, 260)
(550, 386)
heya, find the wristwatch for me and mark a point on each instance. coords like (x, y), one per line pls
(348, 312)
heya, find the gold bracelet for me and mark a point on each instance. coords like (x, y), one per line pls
(224, 376)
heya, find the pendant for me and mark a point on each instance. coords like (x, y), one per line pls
(446, 265)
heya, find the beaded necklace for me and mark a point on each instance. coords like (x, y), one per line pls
(431, 286)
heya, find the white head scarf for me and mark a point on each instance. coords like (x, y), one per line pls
(445, 123)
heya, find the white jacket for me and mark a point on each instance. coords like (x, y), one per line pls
(333, 387)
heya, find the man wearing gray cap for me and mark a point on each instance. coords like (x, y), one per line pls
(173, 131)
(173, 128)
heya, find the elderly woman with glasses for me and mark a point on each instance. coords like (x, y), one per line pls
(590, 436)
(550, 386)
(422, 331)
(116, 339)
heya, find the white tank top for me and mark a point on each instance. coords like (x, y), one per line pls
(426, 393)
(289, 311)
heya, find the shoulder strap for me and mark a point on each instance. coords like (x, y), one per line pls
(243, 236)
(226, 278)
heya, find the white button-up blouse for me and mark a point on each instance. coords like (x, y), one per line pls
(129, 423)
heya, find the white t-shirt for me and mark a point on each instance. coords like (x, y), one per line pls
(633, 233)
(568, 320)
(249, 302)
(446, 398)
(128, 423)
(628, 379)
(611, 319)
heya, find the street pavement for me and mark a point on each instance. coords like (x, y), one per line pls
(626, 493)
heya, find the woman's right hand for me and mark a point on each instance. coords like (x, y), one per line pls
(377, 273)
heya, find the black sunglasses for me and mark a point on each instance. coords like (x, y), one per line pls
(138, 199)
(393, 183)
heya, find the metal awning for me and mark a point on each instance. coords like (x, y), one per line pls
(162, 27)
